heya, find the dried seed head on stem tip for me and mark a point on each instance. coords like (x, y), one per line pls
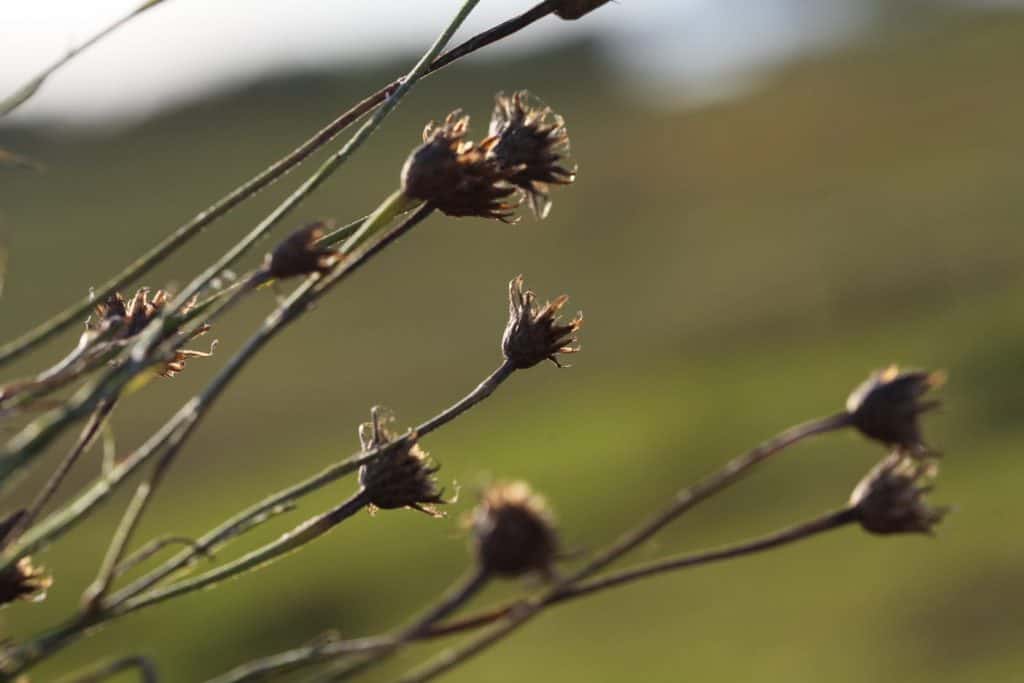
(514, 532)
(456, 176)
(531, 142)
(886, 406)
(130, 317)
(300, 253)
(403, 478)
(890, 498)
(535, 334)
(23, 581)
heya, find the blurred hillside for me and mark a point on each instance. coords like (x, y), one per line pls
(741, 268)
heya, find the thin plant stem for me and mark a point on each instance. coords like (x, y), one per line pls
(325, 171)
(153, 547)
(304, 533)
(24, 93)
(104, 670)
(245, 519)
(121, 602)
(379, 646)
(96, 592)
(34, 438)
(268, 176)
(818, 525)
(176, 438)
(173, 434)
(457, 596)
(689, 497)
(85, 439)
(481, 392)
(686, 499)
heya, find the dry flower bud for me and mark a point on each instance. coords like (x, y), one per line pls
(890, 499)
(530, 141)
(514, 532)
(131, 316)
(574, 9)
(298, 254)
(886, 406)
(533, 334)
(23, 581)
(456, 176)
(402, 477)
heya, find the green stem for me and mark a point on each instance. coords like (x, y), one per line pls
(306, 532)
(221, 207)
(379, 647)
(320, 176)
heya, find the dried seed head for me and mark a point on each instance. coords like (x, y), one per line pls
(298, 254)
(402, 477)
(456, 176)
(533, 334)
(23, 581)
(514, 531)
(531, 142)
(886, 406)
(130, 317)
(574, 9)
(890, 499)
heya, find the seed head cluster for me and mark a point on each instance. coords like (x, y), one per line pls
(456, 176)
(299, 253)
(890, 499)
(23, 581)
(531, 142)
(523, 155)
(126, 318)
(887, 405)
(535, 333)
(401, 478)
(514, 532)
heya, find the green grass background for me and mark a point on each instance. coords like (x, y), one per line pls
(741, 266)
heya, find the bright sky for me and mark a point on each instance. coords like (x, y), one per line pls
(185, 48)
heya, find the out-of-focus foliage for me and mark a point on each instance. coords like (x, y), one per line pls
(741, 268)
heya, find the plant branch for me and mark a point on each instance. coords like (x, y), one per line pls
(104, 670)
(818, 525)
(45, 494)
(734, 470)
(221, 207)
(304, 533)
(481, 392)
(378, 646)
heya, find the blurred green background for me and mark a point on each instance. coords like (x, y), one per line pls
(742, 266)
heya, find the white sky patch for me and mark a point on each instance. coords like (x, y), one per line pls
(185, 49)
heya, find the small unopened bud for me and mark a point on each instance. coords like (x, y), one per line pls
(529, 140)
(23, 581)
(890, 498)
(298, 254)
(886, 406)
(455, 175)
(574, 9)
(514, 532)
(403, 477)
(534, 334)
